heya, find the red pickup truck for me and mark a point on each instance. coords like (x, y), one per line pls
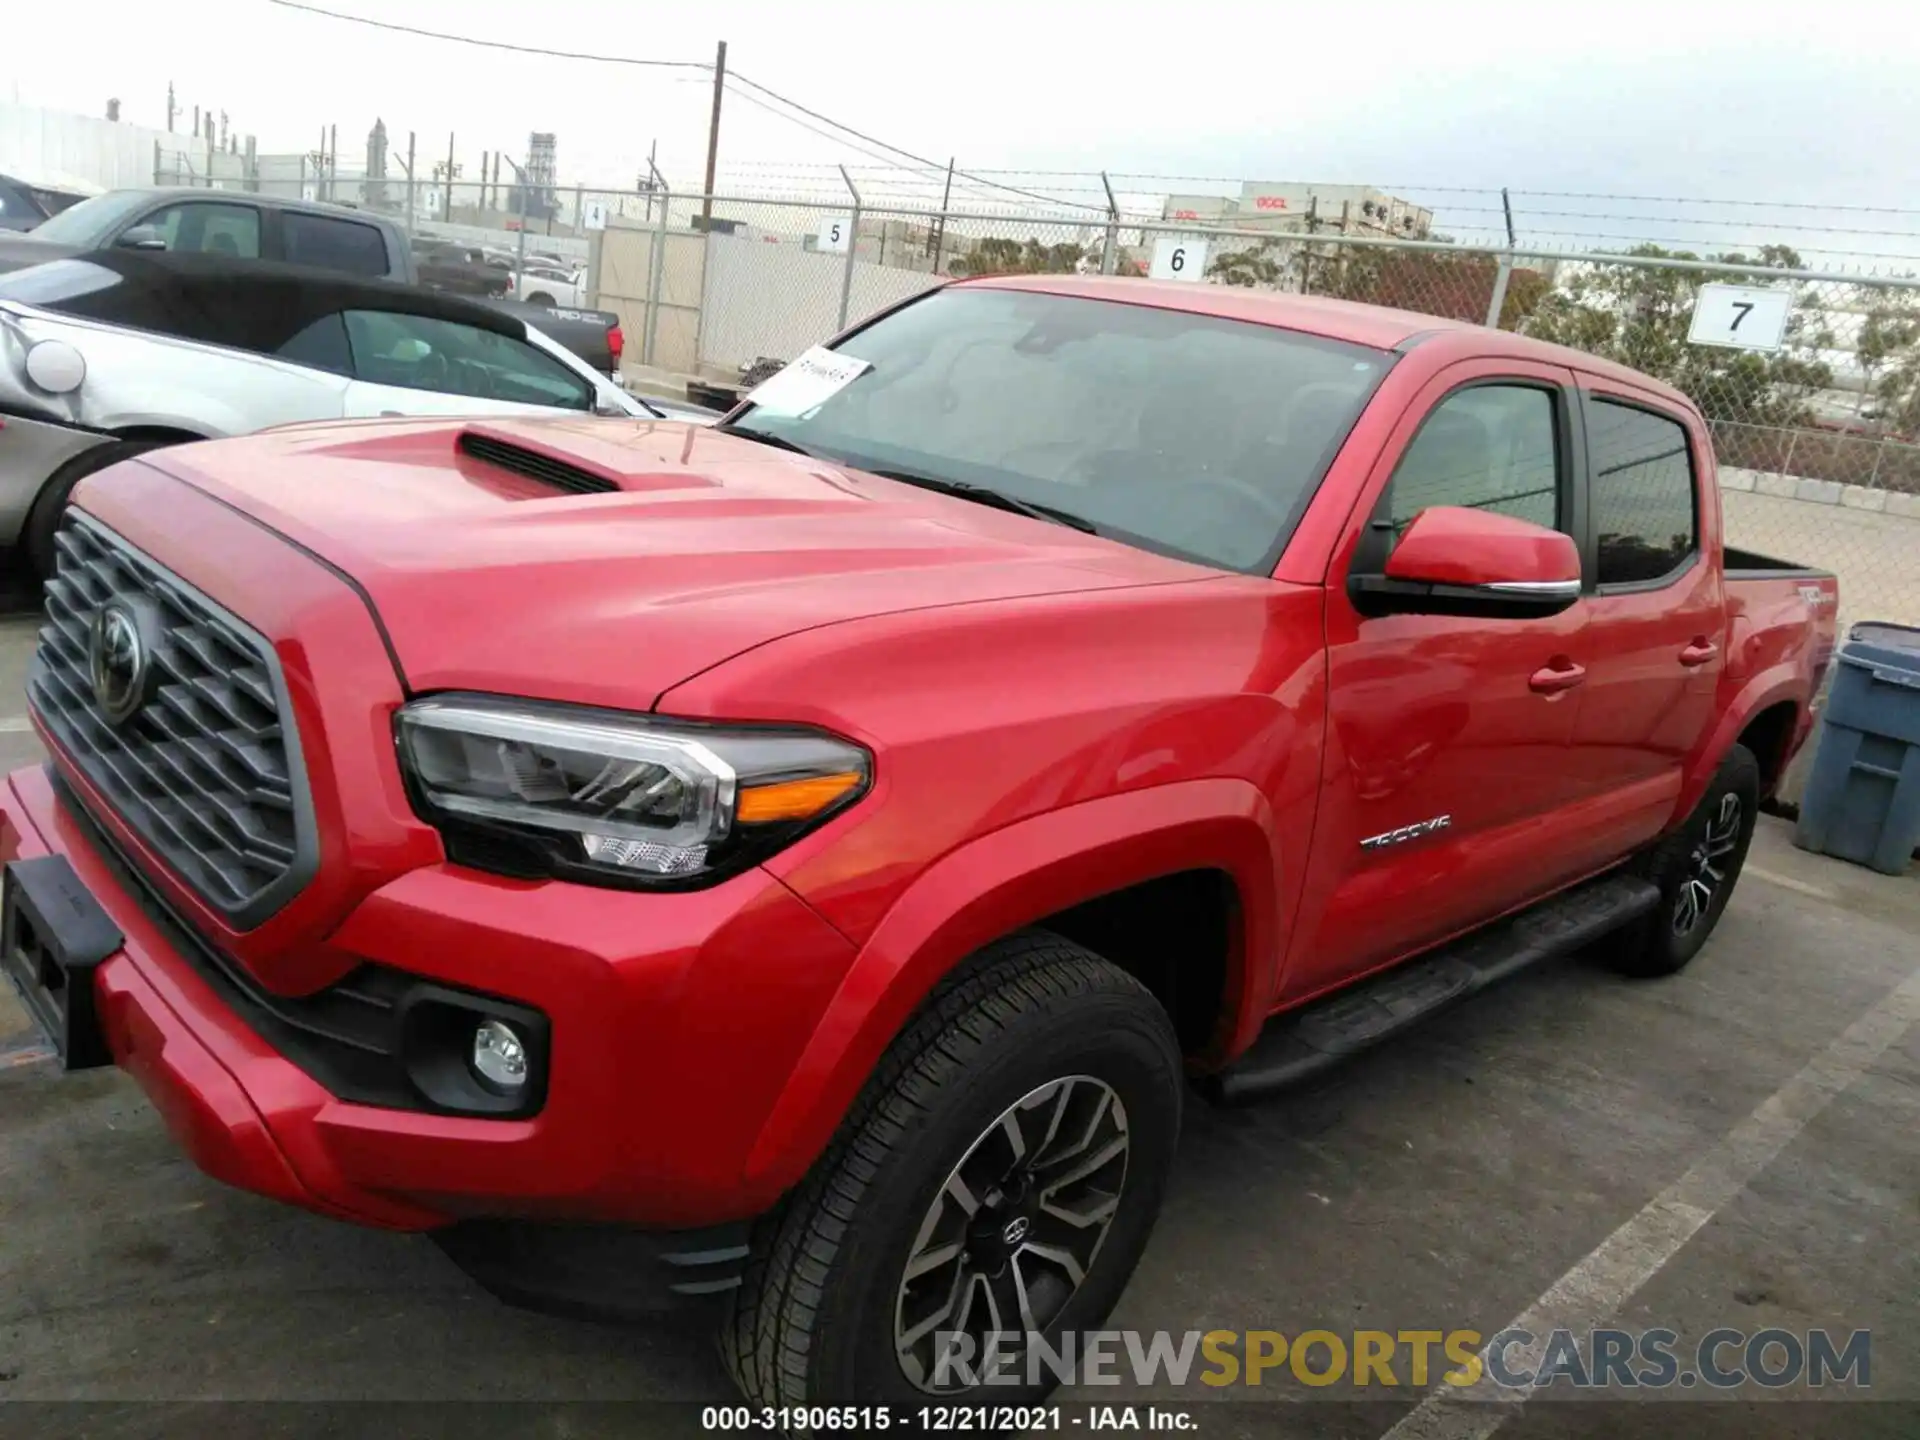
(806, 861)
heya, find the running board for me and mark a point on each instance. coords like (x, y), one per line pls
(1319, 1035)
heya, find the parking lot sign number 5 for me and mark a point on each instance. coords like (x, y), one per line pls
(1740, 317)
(836, 234)
(1178, 257)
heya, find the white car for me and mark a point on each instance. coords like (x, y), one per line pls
(118, 351)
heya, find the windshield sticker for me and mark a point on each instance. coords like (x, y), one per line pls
(810, 381)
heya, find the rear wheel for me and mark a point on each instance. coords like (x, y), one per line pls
(997, 1179)
(43, 521)
(1696, 869)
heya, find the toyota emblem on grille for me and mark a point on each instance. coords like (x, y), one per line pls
(120, 661)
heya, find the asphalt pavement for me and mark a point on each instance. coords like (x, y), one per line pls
(1735, 1147)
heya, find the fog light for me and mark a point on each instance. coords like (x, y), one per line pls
(499, 1055)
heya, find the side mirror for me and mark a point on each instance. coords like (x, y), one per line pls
(141, 237)
(1453, 560)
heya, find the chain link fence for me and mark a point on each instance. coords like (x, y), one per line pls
(1818, 434)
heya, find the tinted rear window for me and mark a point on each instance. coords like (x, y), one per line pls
(1642, 492)
(329, 244)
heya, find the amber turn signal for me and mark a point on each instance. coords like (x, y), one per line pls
(793, 799)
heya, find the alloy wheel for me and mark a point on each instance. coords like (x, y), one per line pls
(1706, 870)
(1014, 1231)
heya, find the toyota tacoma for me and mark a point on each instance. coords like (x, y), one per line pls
(806, 862)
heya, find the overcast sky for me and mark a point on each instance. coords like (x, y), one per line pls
(1816, 103)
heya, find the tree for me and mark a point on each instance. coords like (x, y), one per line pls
(1252, 268)
(1001, 255)
(1639, 315)
(1432, 282)
(1889, 353)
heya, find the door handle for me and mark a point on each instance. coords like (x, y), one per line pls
(1698, 653)
(1552, 679)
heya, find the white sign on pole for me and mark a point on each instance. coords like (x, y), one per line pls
(1178, 257)
(593, 215)
(309, 192)
(430, 200)
(835, 235)
(1740, 317)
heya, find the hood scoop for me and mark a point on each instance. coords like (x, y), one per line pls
(550, 467)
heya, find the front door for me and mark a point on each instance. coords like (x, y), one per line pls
(1446, 778)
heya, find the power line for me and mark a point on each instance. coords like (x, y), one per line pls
(733, 76)
(919, 160)
(491, 44)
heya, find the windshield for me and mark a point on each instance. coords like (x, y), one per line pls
(88, 222)
(1184, 434)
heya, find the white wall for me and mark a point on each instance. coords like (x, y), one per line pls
(777, 299)
(38, 143)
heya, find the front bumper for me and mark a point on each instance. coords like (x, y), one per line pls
(676, 1021)
(30, 451)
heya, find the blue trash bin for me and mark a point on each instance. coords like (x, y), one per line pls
(1862, 801)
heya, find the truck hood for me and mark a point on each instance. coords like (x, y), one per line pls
(488, 579)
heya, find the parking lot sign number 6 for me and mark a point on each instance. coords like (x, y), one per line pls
(1740, 317)
(1178, 257)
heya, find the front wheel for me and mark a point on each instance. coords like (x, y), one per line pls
(1696, 868)
(996, 1182)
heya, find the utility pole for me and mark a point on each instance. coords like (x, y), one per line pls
(447, 213)
(938, 239)
(713, 136)
(333, 163)
(172, 109)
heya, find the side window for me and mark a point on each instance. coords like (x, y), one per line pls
(1642, 492)
(209, 228)
(1492, 447)
(329, 244)
(417, 353)
(322, 346)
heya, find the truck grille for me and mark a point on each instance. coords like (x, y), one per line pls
(205, 770)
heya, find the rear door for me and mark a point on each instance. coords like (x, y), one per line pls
(415, 365)
(1657, 609)
(1446, 787)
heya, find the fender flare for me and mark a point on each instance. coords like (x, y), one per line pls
(1777, 684)
(996, 884)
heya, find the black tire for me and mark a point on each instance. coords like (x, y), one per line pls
(44, 519)
(1708, 851)
(541, 299)
(818, 1315)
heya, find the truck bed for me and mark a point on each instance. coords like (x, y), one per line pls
(1780, 613)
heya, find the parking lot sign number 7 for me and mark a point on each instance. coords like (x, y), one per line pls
(1740, 317)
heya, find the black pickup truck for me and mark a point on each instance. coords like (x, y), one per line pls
(246, 226)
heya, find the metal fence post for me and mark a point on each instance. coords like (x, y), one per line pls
(1498, 303)
(1110, 247)
(853, 250)
(156, 162)
(1505, 271)
(654, 272)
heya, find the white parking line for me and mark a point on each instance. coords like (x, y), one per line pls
(1597, 1287)
(15, 724)
(1787, 882)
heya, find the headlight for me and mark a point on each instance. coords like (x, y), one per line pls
(529, 788)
